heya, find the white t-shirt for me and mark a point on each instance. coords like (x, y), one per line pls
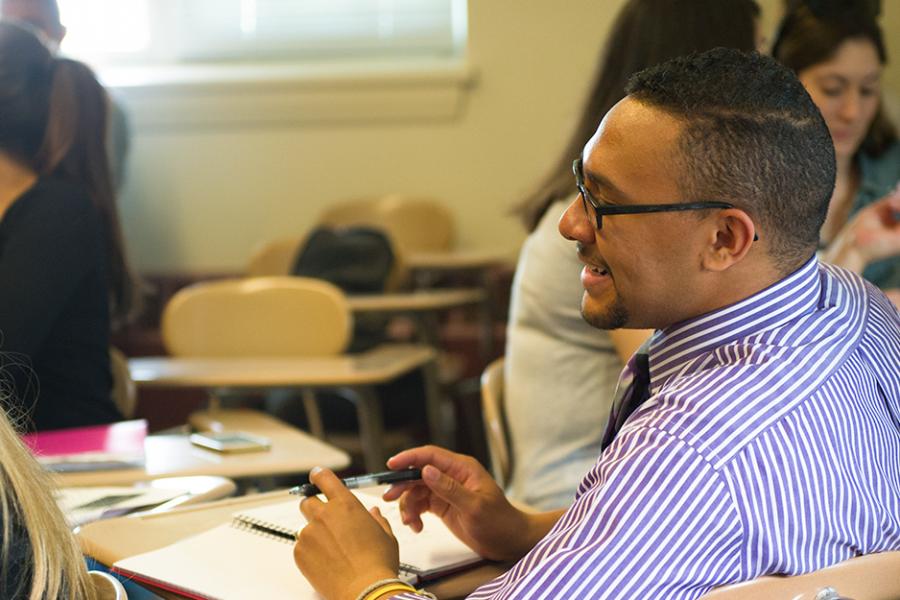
(560, 372)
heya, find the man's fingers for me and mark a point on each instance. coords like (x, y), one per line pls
(379, 518)
(424, 455)
(446, 488)
(412, 505)
(329, 483)
(398, 489)
(311, 508)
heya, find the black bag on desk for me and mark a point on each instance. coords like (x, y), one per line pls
(358, 260)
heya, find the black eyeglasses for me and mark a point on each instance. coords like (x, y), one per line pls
(635, 209)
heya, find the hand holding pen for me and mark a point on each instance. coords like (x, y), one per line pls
(361, 481)
(343, 548)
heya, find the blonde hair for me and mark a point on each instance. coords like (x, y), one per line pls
(57, 568)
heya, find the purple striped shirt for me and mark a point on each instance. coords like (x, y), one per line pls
(770, 444)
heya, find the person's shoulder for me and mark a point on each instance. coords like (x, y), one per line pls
(59, 200)
(648, 445)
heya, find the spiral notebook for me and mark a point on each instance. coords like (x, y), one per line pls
(433, 553)
(252, 557)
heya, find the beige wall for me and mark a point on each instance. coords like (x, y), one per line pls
(201, 199)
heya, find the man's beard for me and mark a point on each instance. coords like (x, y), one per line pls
(614, 317)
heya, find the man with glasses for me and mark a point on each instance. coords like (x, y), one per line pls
(758, 429)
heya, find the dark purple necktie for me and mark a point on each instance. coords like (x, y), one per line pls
(635, 393)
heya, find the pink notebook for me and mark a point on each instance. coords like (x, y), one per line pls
(99, 447)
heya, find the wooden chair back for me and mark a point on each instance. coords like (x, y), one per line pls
(262, 317)
(495, 425)
(870, 577)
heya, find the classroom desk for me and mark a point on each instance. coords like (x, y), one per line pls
(415, 302)
(422, 305)
(114, 539)
(293, 451)
(426, 267)
(359, 372)
(455, 260)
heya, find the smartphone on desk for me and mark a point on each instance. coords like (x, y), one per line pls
(230, 441)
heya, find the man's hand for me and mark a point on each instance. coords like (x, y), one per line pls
(459, 490)
(872, 234)
(343, 548)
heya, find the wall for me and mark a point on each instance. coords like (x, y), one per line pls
(199, 199)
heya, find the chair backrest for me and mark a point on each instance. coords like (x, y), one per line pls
(275, 257)
(495, 426)
(415, 224)
(261, 316)
(870, 577)
(107, 587)
(124, 391)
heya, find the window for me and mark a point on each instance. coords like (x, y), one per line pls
(123, 32)
(210, 63)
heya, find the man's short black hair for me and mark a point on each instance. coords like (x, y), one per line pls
(752, 137)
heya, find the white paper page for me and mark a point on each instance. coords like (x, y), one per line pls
(226, 563)
(435, 548)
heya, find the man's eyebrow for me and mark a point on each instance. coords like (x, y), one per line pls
(604, 184)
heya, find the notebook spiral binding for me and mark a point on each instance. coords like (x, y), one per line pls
(264, 529)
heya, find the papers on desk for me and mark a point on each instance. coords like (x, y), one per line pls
(83, 505)
(252, 557)
(95, 448)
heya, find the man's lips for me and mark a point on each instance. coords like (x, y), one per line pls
(595, 266)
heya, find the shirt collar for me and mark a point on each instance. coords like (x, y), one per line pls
(673, 348)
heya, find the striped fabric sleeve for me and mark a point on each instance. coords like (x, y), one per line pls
(658, 522)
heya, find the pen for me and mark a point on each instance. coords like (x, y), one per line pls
(370, 479)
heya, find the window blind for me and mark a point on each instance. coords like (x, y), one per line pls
(186, 31)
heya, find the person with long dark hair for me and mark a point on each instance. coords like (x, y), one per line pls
(837, 50)
(551, 352)
(63, 272)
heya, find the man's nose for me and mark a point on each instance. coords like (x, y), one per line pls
(574, 224)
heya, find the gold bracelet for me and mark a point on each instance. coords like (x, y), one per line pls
(387, 588)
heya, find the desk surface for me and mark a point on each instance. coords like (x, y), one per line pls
(456, 259)
(379, 365)
(115, 539)
(418, 301)
(293, 451)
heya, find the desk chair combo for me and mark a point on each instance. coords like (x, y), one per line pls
(260, 317)
(272, 320)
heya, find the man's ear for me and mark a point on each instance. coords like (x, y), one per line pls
(730, 240)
